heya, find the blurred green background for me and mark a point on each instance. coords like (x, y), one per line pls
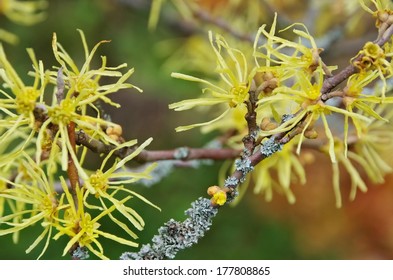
(254, 229)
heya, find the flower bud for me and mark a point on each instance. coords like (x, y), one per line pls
(212, 190)
(311, 134)
(267, 124)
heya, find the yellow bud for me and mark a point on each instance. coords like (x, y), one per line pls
(382, 16)
(109, 130)
(311, 134)
(373, 50)
(219, 198)
(114, 137)
(114, 130)
(212, 190)
(271, 126)
(264, 123)
(118, 130)
(267, 76)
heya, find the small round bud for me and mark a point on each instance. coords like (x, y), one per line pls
(264, 123)
(267, 76)
(114, 137)
(109, 130)
(382, 16)
(213, 190)
(114, 130)
(311, 134)
(271, 126)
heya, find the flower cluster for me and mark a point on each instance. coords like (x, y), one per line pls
(232, 90)
(38, 144)
(289, 78)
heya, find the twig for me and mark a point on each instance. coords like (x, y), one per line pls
(60, 85)
(251, 118)
(183, 153)
(72, 171)
(330, 83)
(175, 236)
(276, 142)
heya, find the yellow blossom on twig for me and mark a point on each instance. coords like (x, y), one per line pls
(235, 74)
(82, 228)
(39, 200)
(104, 185)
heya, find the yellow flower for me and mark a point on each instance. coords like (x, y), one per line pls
(83, 83)
(376, 59)
(23, 99)
(369, 151)
(233, 120)
(346, 161)
(19, 102)
(355, 100)
(235, 75)
(383, 11)
(81, 90)
(219, 198)
(31, 194)
(82, 228)
(306, 106)
(105, 185)
(296, 57)
(375, 145)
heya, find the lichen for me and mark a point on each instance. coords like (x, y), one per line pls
(270, 147)
(231, 181)
(175, 236)
(244, 165)
(80, 253)
(181, 153)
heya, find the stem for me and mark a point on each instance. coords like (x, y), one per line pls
(276, 141)
(251, 117)
(344, 74)
(73, 177)
(72, 171)
(151, 156)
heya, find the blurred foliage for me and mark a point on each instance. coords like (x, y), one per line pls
(311, 229)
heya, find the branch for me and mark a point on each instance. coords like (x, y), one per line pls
(175, 236)
(72, 171)
(276, 142)
(251, 118)
(183, 153)
(344, 74)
